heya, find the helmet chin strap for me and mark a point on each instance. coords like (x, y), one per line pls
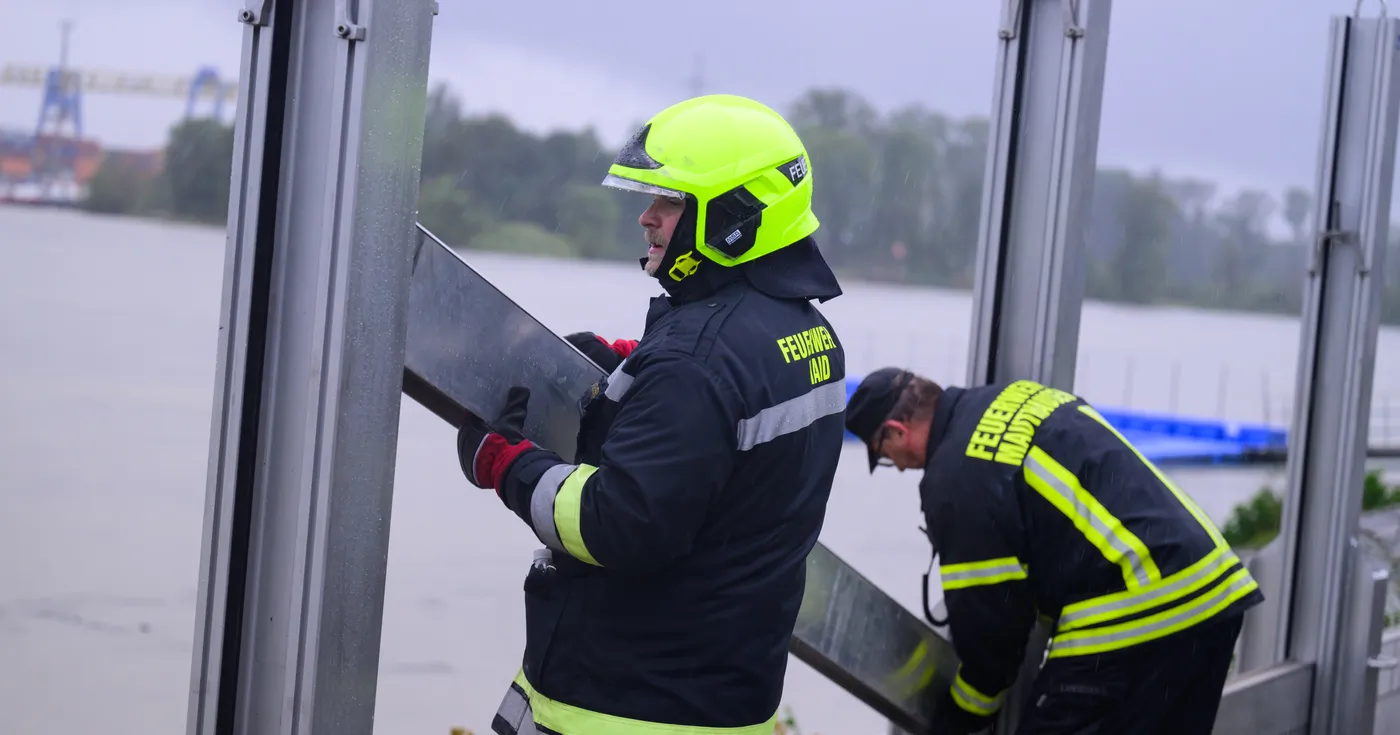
(706, 277)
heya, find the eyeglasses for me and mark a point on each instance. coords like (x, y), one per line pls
(881, 460)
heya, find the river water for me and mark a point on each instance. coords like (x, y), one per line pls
(107, 349)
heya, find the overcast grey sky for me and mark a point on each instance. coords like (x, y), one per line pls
(1225, 89)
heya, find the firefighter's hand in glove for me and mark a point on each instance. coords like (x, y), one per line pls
(950, 719)
(606, 355)
(486, 450)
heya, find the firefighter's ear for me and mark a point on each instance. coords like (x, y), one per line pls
(895, 431)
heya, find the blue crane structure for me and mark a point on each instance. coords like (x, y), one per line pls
(58, 137)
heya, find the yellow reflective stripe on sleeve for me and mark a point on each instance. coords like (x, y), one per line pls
(567, 718)
(1152, 627)
(978, 573)
(568, 503)
(1106, 608)
(972, 700)
(1181, 497)
(1117, 544)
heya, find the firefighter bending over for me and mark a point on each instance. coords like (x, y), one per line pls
(677, 537)
(1034, 504)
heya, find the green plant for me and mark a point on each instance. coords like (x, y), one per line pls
(787, 723)
(1255, 522)
(1376, 494)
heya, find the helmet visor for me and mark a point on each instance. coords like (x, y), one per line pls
(613, 181)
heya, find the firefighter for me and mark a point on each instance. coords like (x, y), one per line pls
(1034, 504)
(677, 534)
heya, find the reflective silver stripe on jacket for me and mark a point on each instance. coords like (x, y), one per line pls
(618, 383)
(792, 415)
(515, 715)
(542, 504)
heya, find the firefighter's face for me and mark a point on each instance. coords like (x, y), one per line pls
(905, 445)
(658, 223)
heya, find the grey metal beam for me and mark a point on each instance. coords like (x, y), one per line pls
(1341, 309)
(1043, 151)
(328, 140)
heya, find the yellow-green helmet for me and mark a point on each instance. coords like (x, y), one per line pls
(740, 161)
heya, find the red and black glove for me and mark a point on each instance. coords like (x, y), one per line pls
(485, 451)
(606, 355)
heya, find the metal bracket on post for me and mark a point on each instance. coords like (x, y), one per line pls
(1356, 12)
(1332, 234)
(345, 27)
(1010, 20)
(255, 13)
(1382, 663)
(1327, 238)
(1072, 27)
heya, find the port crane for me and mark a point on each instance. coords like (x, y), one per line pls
(54, 150)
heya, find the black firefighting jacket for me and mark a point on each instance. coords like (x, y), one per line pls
(679, 534)
(1036, 505)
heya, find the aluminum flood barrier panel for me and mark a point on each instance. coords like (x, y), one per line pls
(468, 343)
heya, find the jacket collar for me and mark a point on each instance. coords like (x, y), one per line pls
(942, 417)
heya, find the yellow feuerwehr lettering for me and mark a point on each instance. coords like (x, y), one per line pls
(985, 440)
(998, 426)
(806, 344)
(1021, 430)
(982, 445)
(991, 425)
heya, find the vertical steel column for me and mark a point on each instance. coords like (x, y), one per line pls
(1041, 162)
(311, 340)
(1341, 310)
(1040, 174)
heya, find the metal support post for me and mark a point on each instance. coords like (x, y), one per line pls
(1029, 285)
(328, 141)
(1341, 310)
(1043, 150)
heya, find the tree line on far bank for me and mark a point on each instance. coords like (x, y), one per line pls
(897, 196)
